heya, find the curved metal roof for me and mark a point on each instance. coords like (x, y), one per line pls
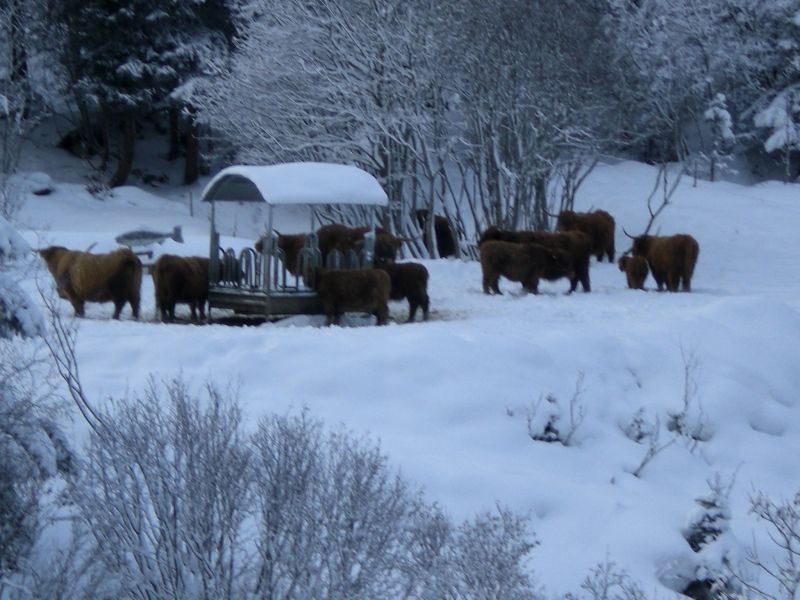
(296, 183)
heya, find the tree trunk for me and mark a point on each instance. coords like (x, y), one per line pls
(191, 169)
(174, 151)
(105, 129)
(540, 202)
(126, 147)
(19, 55)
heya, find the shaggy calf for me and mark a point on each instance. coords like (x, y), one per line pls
(671, 259)
(83, 277)
(409, 280)
(353, 290)
(635, 269)
(180, 279)
(576, 245)
(526, 263)
(598, 225)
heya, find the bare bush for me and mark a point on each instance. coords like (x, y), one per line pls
(781, 565)
(34, 454)
(607, 581)
(164, 491)
(647, 431)
(547, 422)
(332, 517)
(689, 424)
(334, 522)
(488, 559)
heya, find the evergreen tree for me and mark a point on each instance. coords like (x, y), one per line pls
(127, 56)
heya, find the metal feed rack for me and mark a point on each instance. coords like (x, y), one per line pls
(258, 283)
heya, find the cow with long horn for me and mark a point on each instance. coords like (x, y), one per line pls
(671, 258)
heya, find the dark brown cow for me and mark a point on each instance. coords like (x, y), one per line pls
(353, 290)
(598, 225)
(671, 259)
(343, 238)
(180, 279)
(575, 244)
(409, 280)
(525, 263)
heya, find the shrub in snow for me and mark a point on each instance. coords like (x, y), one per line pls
(706, 574)
(702, 577)
(487, 559)
(335, 522)
(607, 581)
(180, 503)
(331, 515)
(640, 427)
(164, 489)
(712, 518)
(18, 314)
(33, 452)
(543, 419)
(645, 430)
(690, 423)
(549, 421)
(780, 565)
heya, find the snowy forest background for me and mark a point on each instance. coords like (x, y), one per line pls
(487, 111)
(491, 110)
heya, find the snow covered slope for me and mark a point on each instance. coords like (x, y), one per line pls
(451, 399)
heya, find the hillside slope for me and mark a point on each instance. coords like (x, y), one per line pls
(450, 399)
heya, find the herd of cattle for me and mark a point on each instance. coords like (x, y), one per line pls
(522, 256)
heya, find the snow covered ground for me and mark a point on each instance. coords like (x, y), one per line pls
(450, 399)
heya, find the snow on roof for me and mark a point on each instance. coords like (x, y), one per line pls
(296, 183)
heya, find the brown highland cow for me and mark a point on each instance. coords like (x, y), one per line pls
(83, 277)
(671, 259)
(525, 263)
(343, 238)
(180, 279)
(409, 280)
(576, 245)
(353, 290)
(598, 225)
